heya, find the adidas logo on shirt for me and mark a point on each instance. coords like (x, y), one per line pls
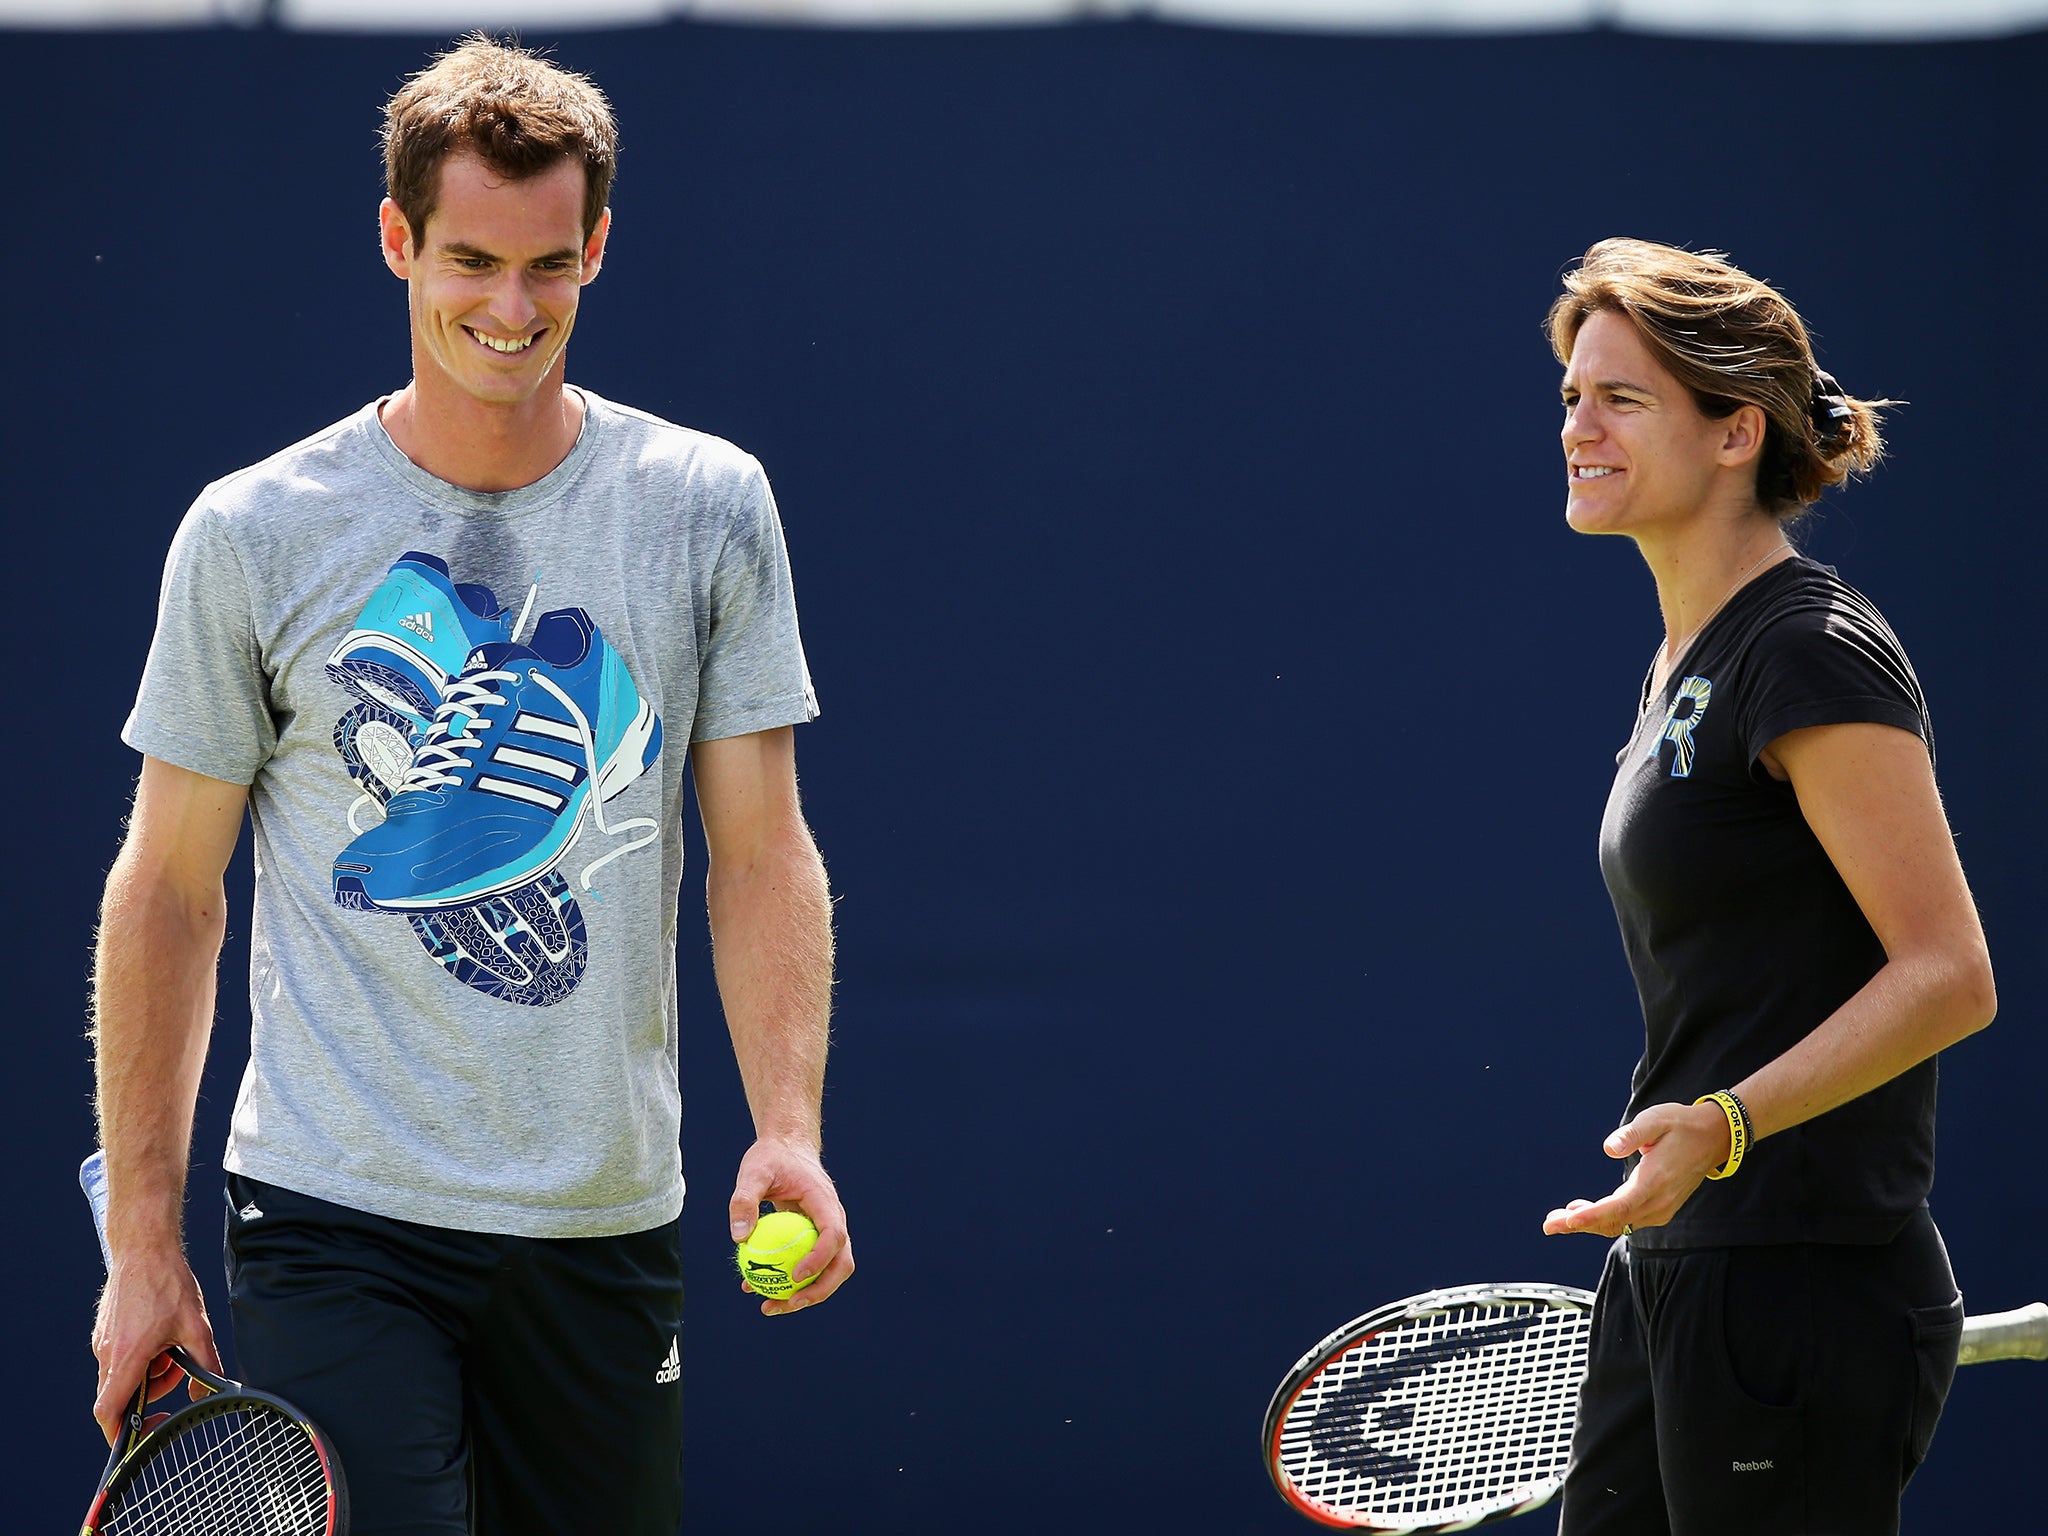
(672, 1368)
(250, 1212)
(421, 624)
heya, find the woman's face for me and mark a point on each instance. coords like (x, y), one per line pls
(1640, 453)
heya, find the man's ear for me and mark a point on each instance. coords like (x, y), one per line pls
(593, 248)
(395, 238)
(1742, 436)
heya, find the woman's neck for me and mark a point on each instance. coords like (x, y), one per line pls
(1699, 567)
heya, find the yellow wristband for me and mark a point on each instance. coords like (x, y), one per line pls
(1738, 1129)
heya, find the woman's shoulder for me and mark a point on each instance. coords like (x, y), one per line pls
(1817, 648)
(1810, 604)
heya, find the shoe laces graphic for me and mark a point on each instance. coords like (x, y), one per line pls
(443, 758)
(466, 701)
(475, 598)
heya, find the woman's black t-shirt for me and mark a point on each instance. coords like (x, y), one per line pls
(1741, 934)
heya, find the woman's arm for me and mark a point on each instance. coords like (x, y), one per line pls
(1868, 793)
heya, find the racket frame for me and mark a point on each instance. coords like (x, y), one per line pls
(135, 1448)
(2021, 1334)
(1515, 1501)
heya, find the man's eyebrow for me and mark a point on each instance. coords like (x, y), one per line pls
(463, 250)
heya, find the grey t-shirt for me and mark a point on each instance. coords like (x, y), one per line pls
(464, 719)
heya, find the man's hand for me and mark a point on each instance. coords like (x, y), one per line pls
(1680, 1145)
(790, 1175)
(149, 1304)
(771, 944)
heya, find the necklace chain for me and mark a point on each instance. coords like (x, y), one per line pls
(1678, 650)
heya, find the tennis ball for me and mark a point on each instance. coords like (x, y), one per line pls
(772, 1250)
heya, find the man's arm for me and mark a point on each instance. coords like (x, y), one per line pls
(771, 937)
(161, 926)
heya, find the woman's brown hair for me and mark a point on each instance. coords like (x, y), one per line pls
(1732, 340)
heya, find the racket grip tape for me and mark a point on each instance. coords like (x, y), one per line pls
(92, 1178)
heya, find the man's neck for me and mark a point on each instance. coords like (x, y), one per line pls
(481, 446)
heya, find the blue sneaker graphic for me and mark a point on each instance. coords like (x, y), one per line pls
(376, 746)
(523, 742)
(527, 946)
(414, 634)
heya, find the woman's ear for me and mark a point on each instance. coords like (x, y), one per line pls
(1742, 436)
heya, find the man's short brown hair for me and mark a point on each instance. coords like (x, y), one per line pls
(510, 108)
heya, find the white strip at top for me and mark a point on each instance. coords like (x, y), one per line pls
(128, 13)
(1806, 20)
(1831, 20)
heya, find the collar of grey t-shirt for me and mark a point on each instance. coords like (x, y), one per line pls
(440, 493)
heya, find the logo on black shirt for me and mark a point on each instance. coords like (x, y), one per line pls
(1687, 709)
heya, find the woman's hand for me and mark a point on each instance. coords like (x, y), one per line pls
(1680, 1145)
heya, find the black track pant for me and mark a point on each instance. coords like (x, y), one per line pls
(1784, 1390)
(469, 1381)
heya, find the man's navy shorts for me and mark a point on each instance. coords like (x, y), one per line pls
(469, 1381)
(1782, 1390)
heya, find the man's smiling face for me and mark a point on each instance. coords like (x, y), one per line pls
(494, 286)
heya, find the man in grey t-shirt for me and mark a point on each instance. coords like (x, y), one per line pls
(452, 655)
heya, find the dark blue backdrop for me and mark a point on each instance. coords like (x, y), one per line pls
(1218, 711)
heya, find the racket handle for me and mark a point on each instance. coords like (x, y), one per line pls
(2021, 1334)
(92, 1178)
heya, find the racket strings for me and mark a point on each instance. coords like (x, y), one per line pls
(1440, 1414)
(249, 1471)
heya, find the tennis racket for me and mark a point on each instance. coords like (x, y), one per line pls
(1454, 1408)
(235, 1463)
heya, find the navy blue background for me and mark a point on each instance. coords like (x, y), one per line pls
(1218, 711)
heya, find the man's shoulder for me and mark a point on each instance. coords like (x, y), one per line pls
(309, 465)
(640, 436)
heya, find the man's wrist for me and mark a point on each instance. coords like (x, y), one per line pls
(147, 1247)
(802, 1140)
(147, 1218)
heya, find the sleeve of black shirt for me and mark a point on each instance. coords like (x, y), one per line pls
(1828, 663)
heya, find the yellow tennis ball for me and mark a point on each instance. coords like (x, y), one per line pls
(779, 1240)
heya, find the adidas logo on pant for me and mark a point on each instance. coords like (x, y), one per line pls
(672, 1368)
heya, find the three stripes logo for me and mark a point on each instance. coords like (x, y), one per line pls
(421, 624)
(543, 756)
(670, 1369)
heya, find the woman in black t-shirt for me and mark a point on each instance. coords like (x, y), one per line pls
(1777, 1322)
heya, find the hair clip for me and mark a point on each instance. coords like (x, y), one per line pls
(1830, 407)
